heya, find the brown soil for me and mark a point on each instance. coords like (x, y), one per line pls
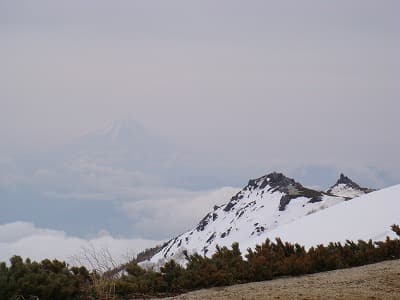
(376, 281)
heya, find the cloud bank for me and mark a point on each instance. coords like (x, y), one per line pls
(27, 240)
(170, 216)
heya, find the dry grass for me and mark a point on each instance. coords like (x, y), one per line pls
(376, 281)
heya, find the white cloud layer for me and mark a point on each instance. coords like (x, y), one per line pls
(161, 217)
(27, 240)
(172, 215)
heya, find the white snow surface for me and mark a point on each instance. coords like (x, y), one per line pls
(255, 214)
(366, 217)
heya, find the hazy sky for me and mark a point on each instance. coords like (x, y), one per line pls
(208, 73)
(239, 87)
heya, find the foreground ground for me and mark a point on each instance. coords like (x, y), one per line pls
(377, 281)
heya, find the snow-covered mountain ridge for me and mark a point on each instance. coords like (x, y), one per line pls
(263, 205)
(365, 217)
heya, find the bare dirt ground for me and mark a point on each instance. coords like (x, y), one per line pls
(376, 281)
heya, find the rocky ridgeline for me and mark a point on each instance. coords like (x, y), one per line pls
(262, 205)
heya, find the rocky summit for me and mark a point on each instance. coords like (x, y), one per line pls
(347, 188)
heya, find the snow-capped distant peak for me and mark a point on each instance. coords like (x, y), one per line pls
(347, 188)
(113, 129)
(122, 127)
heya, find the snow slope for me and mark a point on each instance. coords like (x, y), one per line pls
(265, 204)
(366, 217)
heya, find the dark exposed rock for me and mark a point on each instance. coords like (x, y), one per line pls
(315, 199)
(291, 189)
(226, 233)
(258, 230)
(204, 222)
(214, 216)
(234, 200)
(315, 196)
(211, 238)
(169, 248)
(264, 184)
(276, 181)
(284, 201)
(242, 210)
(279, 182)
(252, 184)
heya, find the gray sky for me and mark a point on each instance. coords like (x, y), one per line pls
(232, 89)
(203, 72)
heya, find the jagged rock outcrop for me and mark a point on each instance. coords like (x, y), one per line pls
(347, 188)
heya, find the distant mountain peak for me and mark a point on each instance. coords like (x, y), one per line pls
(116, 128)
(345, 187)
(346, 180)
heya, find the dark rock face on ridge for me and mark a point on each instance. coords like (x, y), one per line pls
(348, 183)
(277, 182)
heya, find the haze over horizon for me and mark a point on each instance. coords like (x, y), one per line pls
(203, 96)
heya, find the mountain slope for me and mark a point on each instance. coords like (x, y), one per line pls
(262, 205)
(366, 217)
